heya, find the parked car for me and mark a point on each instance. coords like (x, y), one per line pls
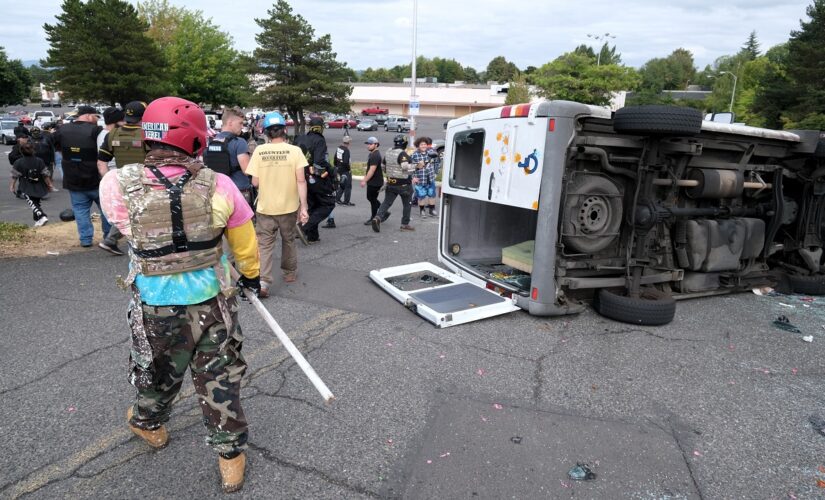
(7, 131)
(367, 124)
(380, 119)
(375, 111)
(397, 124)
(339, 123)
(550, 204)
(44, 116)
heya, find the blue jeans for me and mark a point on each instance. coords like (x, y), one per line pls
(82, 204)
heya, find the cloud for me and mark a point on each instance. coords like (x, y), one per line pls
(378, 33)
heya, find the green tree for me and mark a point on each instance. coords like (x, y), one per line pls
(99, 51)
(608, 55)
(806, 70)
(471, 75)
(500, 70)
(673, 72)
(163, 20)
(41, 75)
(585, 50)
(751, 47)
(448, 70)
(15, 80)
(518, 92)
(576, 77)
(302, 70)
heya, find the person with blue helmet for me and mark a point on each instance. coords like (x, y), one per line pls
(277, 170)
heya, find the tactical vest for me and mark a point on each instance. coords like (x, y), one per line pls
(172, 230)
(126, 144)
(217, 155)
(394, 169)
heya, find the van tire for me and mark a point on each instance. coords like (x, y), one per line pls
(657, 120)
(653, 308)
(809, 285)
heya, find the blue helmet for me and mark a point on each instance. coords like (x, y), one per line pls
(274, 119)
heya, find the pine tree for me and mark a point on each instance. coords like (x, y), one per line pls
(806, 70)
(751, 47)
(302, 70)
(99, 51)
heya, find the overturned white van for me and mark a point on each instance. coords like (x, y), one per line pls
(545, 205)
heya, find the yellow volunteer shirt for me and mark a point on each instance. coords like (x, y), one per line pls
(274, 165)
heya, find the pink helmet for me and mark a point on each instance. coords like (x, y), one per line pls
(176, 122)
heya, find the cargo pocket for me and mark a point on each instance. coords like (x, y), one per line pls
(141, 369)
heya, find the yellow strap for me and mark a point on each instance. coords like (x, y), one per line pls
(244, 245)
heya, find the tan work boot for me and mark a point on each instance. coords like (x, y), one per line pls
(232, 471)
(157, 438)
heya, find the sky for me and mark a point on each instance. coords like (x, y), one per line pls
(378, 33)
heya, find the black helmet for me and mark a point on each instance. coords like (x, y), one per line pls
(316, 120)
(400, 141)
(19, 123)
(36, 133)
(67, 215)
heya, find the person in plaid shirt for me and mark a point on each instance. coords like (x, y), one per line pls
(423, 160)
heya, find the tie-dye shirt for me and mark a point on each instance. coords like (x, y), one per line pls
(229, 209)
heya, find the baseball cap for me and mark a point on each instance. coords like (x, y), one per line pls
(371, 140)
(134, 111)
(112, 115)
(347, 139)
(86, 110)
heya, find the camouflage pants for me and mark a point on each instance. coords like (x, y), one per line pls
(192, 336)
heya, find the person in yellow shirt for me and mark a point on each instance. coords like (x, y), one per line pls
(277, 170)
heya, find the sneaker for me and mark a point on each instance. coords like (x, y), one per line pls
(330, 224)
(376, 224)
(232, 472)
(433, 213)
(86, 245)
(157, 438)
(263, 292)
(369, 222)
(407, 227)
(423, 214)
(386, 216)
(110, 247)
(348, 204)
(41, 221)
(290, 278)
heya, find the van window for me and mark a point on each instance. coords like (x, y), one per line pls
(468, 158)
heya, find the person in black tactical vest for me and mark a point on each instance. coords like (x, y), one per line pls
(228, 153)
(399, 183)
(20, 130)
(78, 144)
(320, 191)
(123, 145)
(43, 148)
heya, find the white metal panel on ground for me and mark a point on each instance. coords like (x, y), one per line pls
(441, 297)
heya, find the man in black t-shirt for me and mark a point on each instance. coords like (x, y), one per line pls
(374, 178)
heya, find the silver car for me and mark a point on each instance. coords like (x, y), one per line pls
(397, 124)
(7, 131)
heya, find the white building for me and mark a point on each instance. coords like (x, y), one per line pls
(436, 99)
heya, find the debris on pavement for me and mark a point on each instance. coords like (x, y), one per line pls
(49, 252)
(497, 406)
(808, 338)
(516, 439)
(818, 423)
(581, 472)
(764, 291)
(783, 323)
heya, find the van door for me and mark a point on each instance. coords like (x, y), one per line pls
(498, 160)
(441, 297)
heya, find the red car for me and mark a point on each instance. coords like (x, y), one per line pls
(375, 111)
(339, 123)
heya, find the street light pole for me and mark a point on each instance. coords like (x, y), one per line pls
(732, 94)
(600, 38)
(414, 57)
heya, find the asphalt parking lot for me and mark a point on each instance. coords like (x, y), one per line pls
(714, 405)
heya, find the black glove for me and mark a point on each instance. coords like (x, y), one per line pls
(252, 284)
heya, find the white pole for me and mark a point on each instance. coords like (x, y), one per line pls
(414, 58)
(290, 347)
